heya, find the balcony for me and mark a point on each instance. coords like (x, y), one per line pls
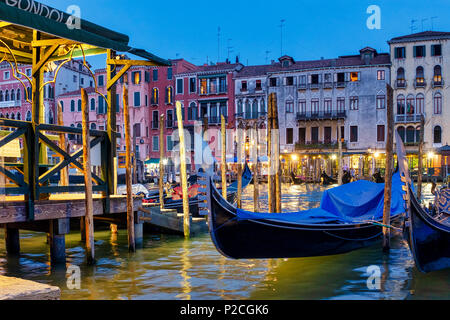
(408, 118)
(400, 84)
(11, 103)
(420, 83)
(438, 83)
(216, 120)
(340, 84)
(308, 145)
(155, 125)
(302, 86)
(321, 115)
(315, 86)
(328, 85)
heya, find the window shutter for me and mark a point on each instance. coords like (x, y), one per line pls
(309, 79)
(433, 50)
(335, 77)
(359, 76)
(424, 51)
(320, 78)
(415, 52)
(347, 76)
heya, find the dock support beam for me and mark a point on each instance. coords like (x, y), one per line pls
(12, 241)
(57, 240)
(139, 234)
(389, 168)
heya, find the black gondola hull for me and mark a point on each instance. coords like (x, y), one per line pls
(429, 239)
(265, 239)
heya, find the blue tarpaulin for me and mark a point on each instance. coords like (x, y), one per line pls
(350, 203)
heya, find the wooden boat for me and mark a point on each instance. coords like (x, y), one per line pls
(297, 179)
(428, 236)
(193, 202)
(327, 180)
(239, 234)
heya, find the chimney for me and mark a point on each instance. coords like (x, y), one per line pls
(237, 59)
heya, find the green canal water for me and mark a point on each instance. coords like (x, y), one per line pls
(170, 267)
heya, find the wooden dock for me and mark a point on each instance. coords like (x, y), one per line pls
(170, 221)
(19, 289)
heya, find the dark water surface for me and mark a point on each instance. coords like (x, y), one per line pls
(170, 267)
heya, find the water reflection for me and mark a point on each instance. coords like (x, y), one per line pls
(170, 267)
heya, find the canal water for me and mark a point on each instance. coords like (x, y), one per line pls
(170, 267)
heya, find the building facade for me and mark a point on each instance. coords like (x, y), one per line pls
(420, 64)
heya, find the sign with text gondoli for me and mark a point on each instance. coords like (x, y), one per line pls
(11, 150)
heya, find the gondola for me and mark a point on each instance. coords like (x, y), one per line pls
(327, 180)
(428, 236)
(349, 218)
(296, 179)
(193, 202)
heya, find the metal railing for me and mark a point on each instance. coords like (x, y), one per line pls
(408, 118)
(322, 115)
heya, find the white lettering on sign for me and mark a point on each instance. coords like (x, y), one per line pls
(40, 9)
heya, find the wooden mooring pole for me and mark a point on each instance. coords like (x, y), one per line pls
(240, 150)
(183, 173)
(340, 172)
(128, 177)
(224, 157)
(276, 144)
(270, 154)
(161, 162)
(420, 156)
(89, 217)
(256, 206)
(389, 168)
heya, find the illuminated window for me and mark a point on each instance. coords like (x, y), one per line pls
(169, 95)
(137, 77)
(437, 75)
(203, 86)
(354, 76)
(354, 103)
(381, 75)
(155, 96)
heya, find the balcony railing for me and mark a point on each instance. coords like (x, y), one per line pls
(408, 118)
(439, 83)
(400, 83)
(340, 84)
(328, 85)
(216, 120)
(326, 144)
(322, 115)
(11, 103)
(169, 123)
(251, 115)
(155, 124)
(420, 83)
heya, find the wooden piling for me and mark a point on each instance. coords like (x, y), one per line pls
(161, 162)
(340, 171)
(420, 156)
(89, 218)
(128, 178)
(276, 144)
(389, 168)
(270, 155)
(63, 145)
(224, 157)
(12, 241)
(183, 173)
(256, 206)
(134, 164)
(240, 150)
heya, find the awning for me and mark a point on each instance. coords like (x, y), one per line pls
(152, 161)
(51, 21)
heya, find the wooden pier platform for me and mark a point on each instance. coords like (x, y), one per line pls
(170, 220)
(20, 289)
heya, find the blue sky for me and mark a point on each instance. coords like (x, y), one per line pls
(312, 29)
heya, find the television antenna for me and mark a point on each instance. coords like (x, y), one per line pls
(229, 49)
(413, 27)
(282, 21)
(432, 25)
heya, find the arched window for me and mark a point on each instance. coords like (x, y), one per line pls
(401, 132)
(192, 111)
(72, 105)
(13, 95)
(7, 116)
(71, 136)
(262, 106)
(13, 117)
(410, 104)
(79, 105)
(248, 109)
(18, 95)
(1, 95)
(29, 92)
(1, 115)
(420, 103)
(420, 76)
(437, 78)
(410, 134)
(255, 109)
(93, 126)
(401, 82)
(437, 103)
(240, 111)
(51, 119)
(6, 95)
(401, 104)
(28, 116)
(169, 95)
(92, 104)
(437, 134)
(19, 116)
(418, 134)
(155, 96)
